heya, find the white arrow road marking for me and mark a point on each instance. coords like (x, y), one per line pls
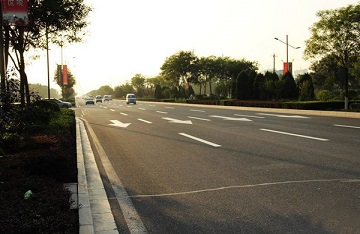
(297, 135)
(117, 123)
(230, 118)
(145, 121)
(285, 116)
(171, 120)
(200, 140)
(345, 126)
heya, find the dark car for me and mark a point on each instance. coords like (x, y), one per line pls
(98, 98)
(61, 104)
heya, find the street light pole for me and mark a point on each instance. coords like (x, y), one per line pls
(287, 48)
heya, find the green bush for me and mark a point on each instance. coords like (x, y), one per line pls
(324, 95)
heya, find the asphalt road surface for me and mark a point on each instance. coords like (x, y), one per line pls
(200, 169)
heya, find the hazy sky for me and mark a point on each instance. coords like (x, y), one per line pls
(136, 36)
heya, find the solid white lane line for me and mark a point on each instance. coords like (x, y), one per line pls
(292, 134)
(190, 117)
(200, 140)
(345, 126)
(145, 121)
(251, 186)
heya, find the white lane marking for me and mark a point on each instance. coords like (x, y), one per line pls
(168, 107)
(142, 109)
(197, 110)
(285, 116)
(145, 121)
(230, 118)
(190, 117)
(345, 126)
(117, 123)
(112, 109)
(292, 134)
(82, 112)
(250, 186)
(250, 116)
(171, 120)
(123, 114)
(161, 112)
(200, 140)
(129, 106)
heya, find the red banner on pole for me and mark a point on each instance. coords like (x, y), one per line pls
(15, 12)
(285, 68)
(65, 75)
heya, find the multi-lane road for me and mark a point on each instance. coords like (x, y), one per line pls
(200, 169)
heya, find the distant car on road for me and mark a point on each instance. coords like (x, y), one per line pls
(106, 98)
(89, 100)
(60, 103)
(130, 98)
(98, 98)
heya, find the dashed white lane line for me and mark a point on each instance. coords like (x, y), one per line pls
(251, 186)
(296, 135)
(145, 121)
(123, 114)
(161, 112)
(142, 109)
(112, 109)
(250, 116)
(200, 140)
(190, 117)
(346, 126)
(202, 111)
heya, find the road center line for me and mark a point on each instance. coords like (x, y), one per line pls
(292, 134)
(200, 140)
(345, 126)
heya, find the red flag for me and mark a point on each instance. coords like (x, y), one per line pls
(65, 75)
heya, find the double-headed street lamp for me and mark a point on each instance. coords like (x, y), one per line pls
(287, 49)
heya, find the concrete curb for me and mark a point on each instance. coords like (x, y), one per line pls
(95, 214)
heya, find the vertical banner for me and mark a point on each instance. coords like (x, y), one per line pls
(15, 12)
(290, 67)
(285, 68)
(65, 75)
(59, 74)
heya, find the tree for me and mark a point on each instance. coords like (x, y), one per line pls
(337, 33)
(289, 89)
(51, 21)
(138, 83)
(306, 87)
(178, 68)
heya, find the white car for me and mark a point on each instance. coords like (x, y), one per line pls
(130, 98)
